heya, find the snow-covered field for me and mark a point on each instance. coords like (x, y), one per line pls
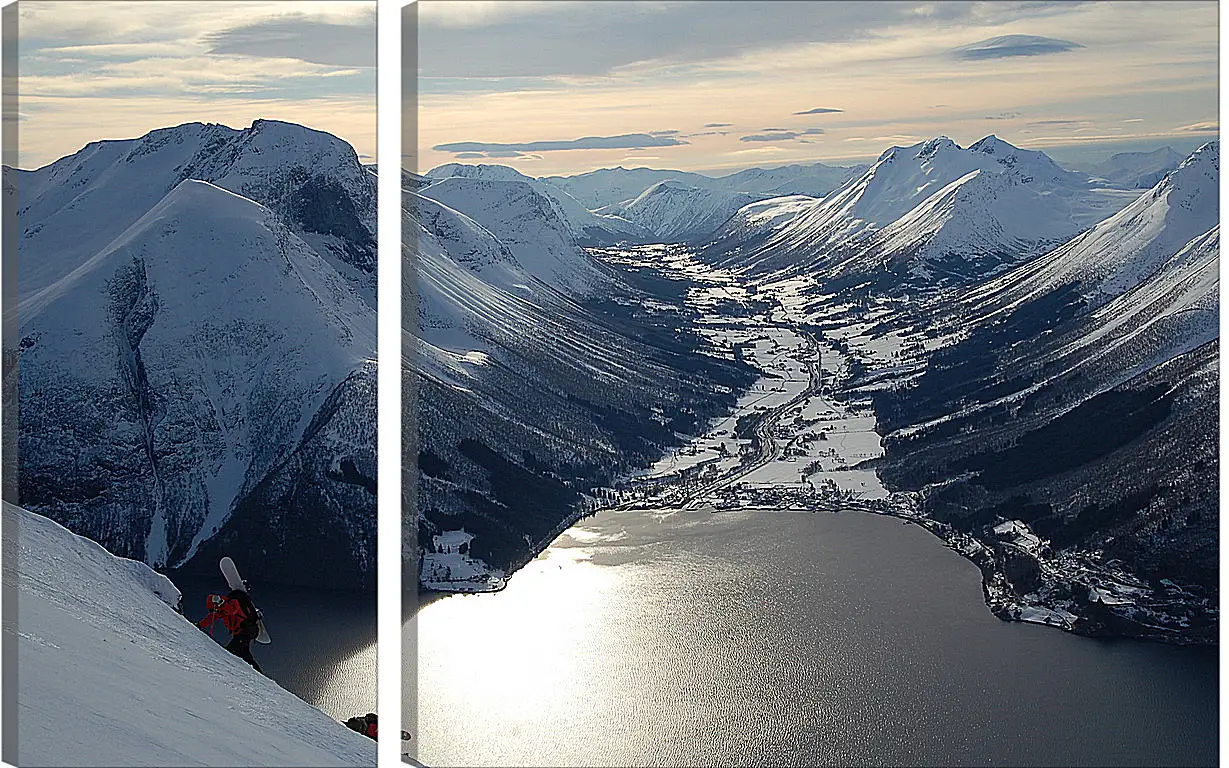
(109, 674)
(809, 440)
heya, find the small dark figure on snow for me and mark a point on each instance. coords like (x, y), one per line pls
(237, 612)
(367, 725)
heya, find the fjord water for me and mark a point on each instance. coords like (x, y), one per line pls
(780, 638)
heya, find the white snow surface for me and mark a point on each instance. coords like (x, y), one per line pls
(608, 186)
(990, 196)
(528, 223)
(979, 214)
(1122, 251)
(582, 222)
(676, 212)
(80, 203)
(242, 313)
(109, 674)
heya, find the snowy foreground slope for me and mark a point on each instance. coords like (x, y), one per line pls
(109, 674)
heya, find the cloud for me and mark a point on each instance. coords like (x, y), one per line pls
(1003, 46)
(1059, 122)
(818, 111)
(624, 141)
(1003, 116)
(549, 39)
(717, 125)
(296, 36)
(781, 134)
(1208, 126)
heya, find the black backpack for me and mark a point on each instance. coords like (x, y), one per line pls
(248, 628)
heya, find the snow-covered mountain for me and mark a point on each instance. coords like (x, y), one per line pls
(1080, 394)
(608, 186)
(1141, 170)
(529, 394)
(934, 198)
(198, 332)
(812, 180)
(111, 674)
(73, 208)
(528, 224)
(1122, 251)
(676, 212)
(967, 230)
(585, 226)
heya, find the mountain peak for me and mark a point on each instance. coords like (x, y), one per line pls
(1208, 154)
(993, 145)
(935, 146)
(1198, 173)
(488, 171)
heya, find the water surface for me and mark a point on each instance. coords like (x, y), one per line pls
(784, 639)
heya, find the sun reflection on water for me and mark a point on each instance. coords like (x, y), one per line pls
(521, 661)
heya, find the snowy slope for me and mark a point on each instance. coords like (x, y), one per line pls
(597, 189)
(968, 229)
(110, 674)
(73, 208)
(1124, 249)
(528, 224)
(230, 333)
(677, 212)
(607, 186)
(586, 227)
(904, 178)
(812, 180)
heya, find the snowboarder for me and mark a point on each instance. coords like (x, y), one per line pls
(237, 612)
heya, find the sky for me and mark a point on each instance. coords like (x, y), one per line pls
(558, 87)
(90, 69)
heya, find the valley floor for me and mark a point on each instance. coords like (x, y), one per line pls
(803, 438)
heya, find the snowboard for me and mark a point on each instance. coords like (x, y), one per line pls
(234, 581)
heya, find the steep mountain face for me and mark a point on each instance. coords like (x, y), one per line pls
(967, 230)
(1123, 250)
(676, 212)
(528, 225)
(310, 179)
(1081, 399)
(528, 396)
(919, 208)
(584, 226)
(1141, 170)
(204, 372)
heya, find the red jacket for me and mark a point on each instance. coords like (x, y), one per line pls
(230, 613)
